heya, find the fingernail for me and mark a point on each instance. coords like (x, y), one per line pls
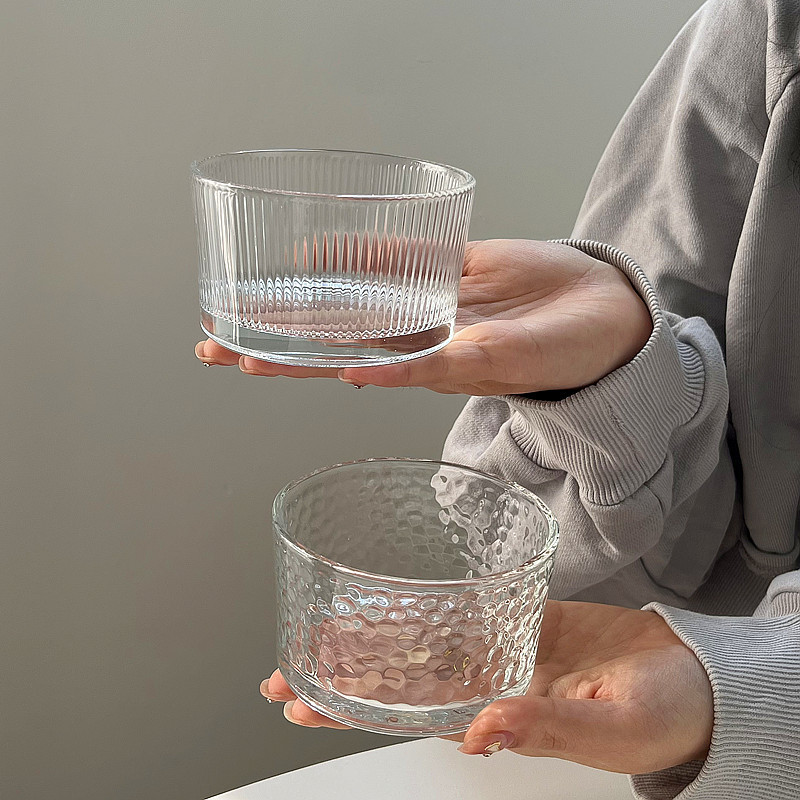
(287, 712)
(247, 364)
(340, 375)
(488, 744)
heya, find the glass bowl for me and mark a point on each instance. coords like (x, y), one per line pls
(329, 258)
(410, 593)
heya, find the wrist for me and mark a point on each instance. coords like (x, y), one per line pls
(630, 328)
(630, 325)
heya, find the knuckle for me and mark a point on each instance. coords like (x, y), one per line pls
(557, 688)
(550, 741)
(530, 723)
(510, 713)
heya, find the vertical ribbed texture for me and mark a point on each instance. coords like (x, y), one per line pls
(754, 668)
(277, 255)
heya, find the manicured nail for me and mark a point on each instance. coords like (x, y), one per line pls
(488, 744)
(340, 375)
(287, 712)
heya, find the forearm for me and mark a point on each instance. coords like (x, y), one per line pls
(603, 457)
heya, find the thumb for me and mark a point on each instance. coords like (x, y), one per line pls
(461, 362)
(588, 731)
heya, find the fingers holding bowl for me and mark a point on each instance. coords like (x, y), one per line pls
(297, 712)
(211, 353)
(276, 689)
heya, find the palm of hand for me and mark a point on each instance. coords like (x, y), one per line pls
(613, 688)
(536, 316)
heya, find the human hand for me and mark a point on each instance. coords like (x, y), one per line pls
(532, 316)
(613, 689)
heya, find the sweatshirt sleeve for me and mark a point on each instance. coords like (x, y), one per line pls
(754, 667)
(640, 468)
(603, 458)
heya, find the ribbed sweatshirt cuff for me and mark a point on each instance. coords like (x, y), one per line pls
(754, 667)
(613, 436)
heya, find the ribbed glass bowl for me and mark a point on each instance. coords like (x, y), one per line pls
(329, 258)
(410, 593)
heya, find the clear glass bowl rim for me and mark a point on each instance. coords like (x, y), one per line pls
(467, 185)
(280, 528)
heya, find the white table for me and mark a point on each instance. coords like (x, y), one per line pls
(432, 769)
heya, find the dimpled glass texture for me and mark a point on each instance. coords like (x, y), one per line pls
(329, 258)
(410, 593)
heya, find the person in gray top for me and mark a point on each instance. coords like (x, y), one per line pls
(643, 377)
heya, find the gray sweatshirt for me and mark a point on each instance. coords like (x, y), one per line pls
(676, 478)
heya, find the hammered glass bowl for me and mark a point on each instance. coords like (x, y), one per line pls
(410, 593)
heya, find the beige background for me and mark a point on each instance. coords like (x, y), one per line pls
(135, 569)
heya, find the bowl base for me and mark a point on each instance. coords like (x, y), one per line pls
(396, 720)
(305, 351)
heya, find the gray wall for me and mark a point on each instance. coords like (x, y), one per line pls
(135, 571)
